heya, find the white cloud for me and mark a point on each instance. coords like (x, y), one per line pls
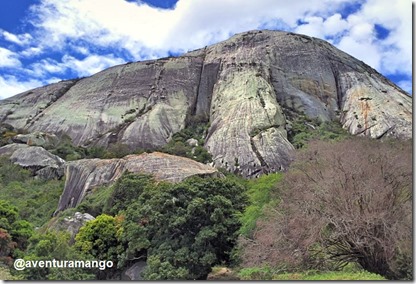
(139, 28)
(8, 58)
(92, 28)
(31, 51)
(22, 39)
(90, 64)
(10, 85)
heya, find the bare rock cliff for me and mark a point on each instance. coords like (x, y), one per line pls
(84, 175)
(249, 88)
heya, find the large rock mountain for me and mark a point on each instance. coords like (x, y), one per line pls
(249, 88)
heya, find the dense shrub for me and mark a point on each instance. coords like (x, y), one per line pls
(304, 129)
(184, 229)
(341, 202)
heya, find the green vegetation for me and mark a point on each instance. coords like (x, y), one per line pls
(186, 228)
(305, 129)
(308, 223)
(35, 199)
(333, 275)
(179, 146)
(335, 196)
(259, 192)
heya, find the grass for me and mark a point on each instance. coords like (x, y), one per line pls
(331, 275)
(259, 196)
(268, 273)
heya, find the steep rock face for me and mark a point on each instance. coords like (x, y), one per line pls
(84, 175)
(250, 88)
(39, 161)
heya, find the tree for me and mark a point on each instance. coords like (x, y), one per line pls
(184, 229)
(343, 202)
(98, 238)
(54, 245)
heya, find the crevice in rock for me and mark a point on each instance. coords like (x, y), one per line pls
(195, 102)
(257, 153)
(385, 132)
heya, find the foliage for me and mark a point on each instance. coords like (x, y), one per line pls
(306, 129)
(342, 202)
(95, 203)
(259, 196)
(66, 149)
(256, 273)
(126, 190)
(14, 232)
(333, 275)
(35, 200)
(11, 172)
(6, 275)
(99, 238)
(53, 245)
(184, 228)
(178, 146)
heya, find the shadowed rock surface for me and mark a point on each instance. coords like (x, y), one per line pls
(84, 175)
(250, 88)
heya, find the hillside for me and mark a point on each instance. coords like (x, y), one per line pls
(250, 90)
(269, 156)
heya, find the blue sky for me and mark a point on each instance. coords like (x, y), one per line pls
(44, 41)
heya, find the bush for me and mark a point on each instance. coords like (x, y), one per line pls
(332, 275)
(348, 201)
(305, 129)
(184, 229)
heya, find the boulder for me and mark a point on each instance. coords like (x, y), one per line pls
(134, 271)
(37, 138)
(39, 161)
(84, 175)
(70, 224)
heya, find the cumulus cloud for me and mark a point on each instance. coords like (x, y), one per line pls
(10, 85)
(8, 58)
(91, 35)
(22, 39)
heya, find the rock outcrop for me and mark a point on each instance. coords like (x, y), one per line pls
(250, 88)
(84, 175)
(37, 138)
(70, 224)
(39, 161)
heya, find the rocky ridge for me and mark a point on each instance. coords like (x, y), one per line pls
(249, 88)
(84, 175)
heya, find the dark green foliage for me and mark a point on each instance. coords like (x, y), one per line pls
(178, 146)
(96, 202)
(10, 172)
(187, 227)
(126, 190)
(35, 199)
(99, 238)
(14, 232)
(54, 245)
(67, 150)
(305, 129)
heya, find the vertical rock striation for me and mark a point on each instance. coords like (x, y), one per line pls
(250, 88)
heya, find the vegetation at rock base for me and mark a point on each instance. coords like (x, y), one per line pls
(341, 212)
(35, 199)
(342, 202)
(304, 129)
